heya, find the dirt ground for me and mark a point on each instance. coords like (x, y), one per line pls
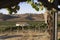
(28, 35)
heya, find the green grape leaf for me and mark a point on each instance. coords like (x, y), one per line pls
(10, 11)
(28, 1)
(35, 7)
(41, 7)
(17, 7)
(51, 1)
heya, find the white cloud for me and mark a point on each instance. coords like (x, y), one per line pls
(4, 11)
(58, 6)
(27, 8)
(24, 8)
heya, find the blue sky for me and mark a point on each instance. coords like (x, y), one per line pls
(24, 8)
(27, 8)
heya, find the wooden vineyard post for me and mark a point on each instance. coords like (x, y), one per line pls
(56, 16)
(52, 25)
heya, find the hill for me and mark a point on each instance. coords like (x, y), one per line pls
(22, 17)
(4, 17)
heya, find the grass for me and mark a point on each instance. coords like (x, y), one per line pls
(7, 23)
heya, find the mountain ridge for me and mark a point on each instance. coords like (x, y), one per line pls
(22, 17)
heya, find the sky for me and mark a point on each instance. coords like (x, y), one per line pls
(25, 8)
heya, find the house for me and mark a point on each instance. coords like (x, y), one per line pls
(22, 24)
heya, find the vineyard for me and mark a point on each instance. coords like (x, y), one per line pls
(35, 30)
(10, 26)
